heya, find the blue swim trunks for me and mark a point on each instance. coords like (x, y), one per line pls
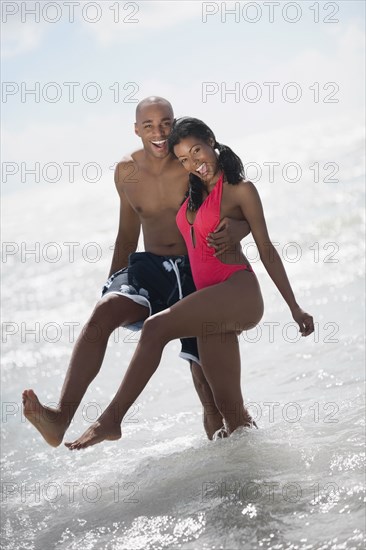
(156, 282)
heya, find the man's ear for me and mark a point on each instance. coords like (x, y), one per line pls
(136, 130)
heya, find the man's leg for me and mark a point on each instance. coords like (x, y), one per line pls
(235, 305)
(110, 312)
(221, 354)
(212, 418)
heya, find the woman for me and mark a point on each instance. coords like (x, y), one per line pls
(228, 298)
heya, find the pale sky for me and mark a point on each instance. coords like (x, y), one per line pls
(193, 53)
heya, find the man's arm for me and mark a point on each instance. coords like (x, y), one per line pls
(129, 223)
(229, 232)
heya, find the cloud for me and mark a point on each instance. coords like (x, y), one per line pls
(107, 22)
(340, 60)
(93, 139)
(19, 38)
(128, 22)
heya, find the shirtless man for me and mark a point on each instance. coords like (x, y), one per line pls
(151, 184)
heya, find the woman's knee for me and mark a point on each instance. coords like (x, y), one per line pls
(155, 329)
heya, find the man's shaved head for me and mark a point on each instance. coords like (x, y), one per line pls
(154, 120)
(153, 100)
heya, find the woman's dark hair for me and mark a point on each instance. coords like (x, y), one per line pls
(229, 162)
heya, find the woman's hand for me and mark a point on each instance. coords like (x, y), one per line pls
(227, 234)
(304, 320)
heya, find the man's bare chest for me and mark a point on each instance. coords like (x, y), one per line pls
(154, 196)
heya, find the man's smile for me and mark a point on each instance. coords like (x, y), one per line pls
(160, 144)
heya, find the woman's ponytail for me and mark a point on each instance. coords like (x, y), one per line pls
(230, 163)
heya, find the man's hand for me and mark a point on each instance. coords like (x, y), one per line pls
(228, 233)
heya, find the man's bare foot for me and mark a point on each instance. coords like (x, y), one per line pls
(104, 429)
(46, 420)
(212, 422)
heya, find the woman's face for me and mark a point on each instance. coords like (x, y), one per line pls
(197, 157)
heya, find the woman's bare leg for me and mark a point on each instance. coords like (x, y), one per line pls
(232, 306)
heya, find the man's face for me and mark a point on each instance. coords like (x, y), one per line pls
(153, 126)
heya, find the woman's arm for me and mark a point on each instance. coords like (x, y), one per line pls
(251, 206)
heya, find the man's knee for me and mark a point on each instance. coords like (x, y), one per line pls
(113, 310)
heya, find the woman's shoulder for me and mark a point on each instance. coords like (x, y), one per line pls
(244, 192)
(246, 182)
(245, 186)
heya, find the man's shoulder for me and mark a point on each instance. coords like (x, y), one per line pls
(131, 158)
(127, 167)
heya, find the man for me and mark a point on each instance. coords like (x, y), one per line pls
(151, 184)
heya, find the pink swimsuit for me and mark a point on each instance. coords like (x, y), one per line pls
(206, 269)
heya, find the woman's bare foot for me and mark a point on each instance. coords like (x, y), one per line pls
(104, 429)
(242, 420)
(47, 421)
(249, 422)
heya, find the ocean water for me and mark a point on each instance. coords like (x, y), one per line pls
(298, 481)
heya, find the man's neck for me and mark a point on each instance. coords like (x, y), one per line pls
(156, 165)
